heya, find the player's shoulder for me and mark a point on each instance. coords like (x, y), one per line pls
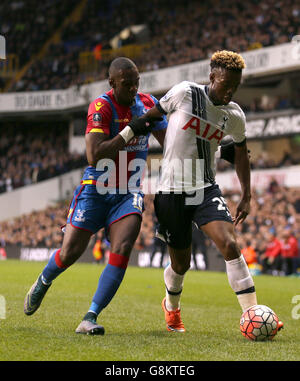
(193, 84)
(236, 111)
(178, 91)
(100, 100)
(187, 87)
(99, 104)
(147, 99)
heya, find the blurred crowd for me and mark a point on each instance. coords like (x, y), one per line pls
(29, 154)
(28, 24)
(269, 238)
(33, 153)
(179, 32)
(262, 161)
(37, 229)
(267, 103)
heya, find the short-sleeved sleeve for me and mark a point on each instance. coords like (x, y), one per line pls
(162, 124)
(99, 117)
(173, 98)
(238, 131)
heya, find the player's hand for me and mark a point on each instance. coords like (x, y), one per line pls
(140, 126)
(242, 211)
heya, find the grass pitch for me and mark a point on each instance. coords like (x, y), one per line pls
(134, 321)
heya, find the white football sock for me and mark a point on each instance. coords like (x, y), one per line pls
(174, 284)
(241, 282)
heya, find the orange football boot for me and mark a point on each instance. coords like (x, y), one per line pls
(173, 319)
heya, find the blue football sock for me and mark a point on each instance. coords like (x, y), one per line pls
(109, 282)
(53, 268)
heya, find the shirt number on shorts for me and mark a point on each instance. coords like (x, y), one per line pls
(137, 201)
(221, 204)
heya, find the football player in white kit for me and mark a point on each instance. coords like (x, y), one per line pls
(200, 117)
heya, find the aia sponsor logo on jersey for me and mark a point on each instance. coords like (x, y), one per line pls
(204, 130)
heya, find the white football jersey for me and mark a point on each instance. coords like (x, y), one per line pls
(195, 129)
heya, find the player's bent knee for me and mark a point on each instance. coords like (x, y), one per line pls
(230, 250)
(180, 267)
(70, 253)
(122, 248)
(180, 259)
(74, 244)
(69, 257)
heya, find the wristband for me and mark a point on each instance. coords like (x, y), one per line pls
(127, 134)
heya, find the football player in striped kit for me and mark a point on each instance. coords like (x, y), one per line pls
(199, 117)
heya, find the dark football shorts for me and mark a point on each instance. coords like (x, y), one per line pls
(175, 216)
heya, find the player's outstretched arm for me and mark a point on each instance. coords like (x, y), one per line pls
(242, 167)
(160, 136)
(100, 146)
(154, 115)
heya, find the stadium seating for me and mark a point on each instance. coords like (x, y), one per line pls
(57, 47)
(27, 25)
(38, 229)
(180, 33)
(276, 209)
(31, 154)
(263, 161)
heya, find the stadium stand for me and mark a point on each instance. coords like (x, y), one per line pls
(263, 161)
(29, 154)
(232, 25)
(72, 43)
(27, 25)
(264, 104)
(38, 229)
(273, 214)
(276, 211)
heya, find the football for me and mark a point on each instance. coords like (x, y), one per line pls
(259, 323)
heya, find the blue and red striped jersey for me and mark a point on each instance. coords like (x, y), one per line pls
(106, 116)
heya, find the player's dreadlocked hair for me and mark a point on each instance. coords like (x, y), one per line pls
(227, 60)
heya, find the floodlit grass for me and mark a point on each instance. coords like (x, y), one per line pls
(134, 322)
